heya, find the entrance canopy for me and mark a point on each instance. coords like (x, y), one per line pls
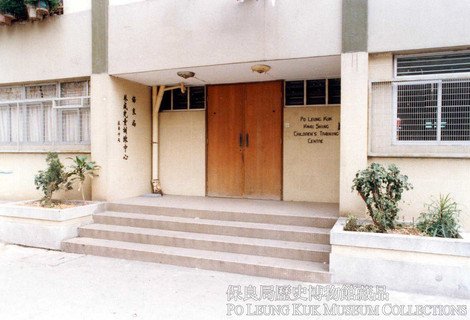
(290, 69)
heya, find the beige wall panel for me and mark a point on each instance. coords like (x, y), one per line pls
(210, 32)
(381, 67)
(57, 48)
(182, 152)
(431, 177)
(19, 185)
(120, 178)
(311, 170)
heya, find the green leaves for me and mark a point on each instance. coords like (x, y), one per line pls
(381, 189)
(55, 177)
(441, 218)
(52, 179)
(81, 169)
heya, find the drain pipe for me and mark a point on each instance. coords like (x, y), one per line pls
(157, 97)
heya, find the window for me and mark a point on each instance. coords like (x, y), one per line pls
(435, 108)
(312, 92)
(316, 92)
(434, 111)
(194, 98)
(432, 64)
(50, 114)
(334, 91)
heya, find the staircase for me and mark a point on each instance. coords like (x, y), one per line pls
(283, 245)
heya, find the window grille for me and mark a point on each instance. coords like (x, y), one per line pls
(426, 112)
(415, 65)
(433, 111)
(45, 115)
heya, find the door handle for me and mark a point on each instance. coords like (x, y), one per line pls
(240, 140)
(247, 143)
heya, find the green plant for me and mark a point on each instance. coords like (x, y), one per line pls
(54, 4)
(13, 7)
(52, 179)
(81, 169)
(441, 219)
(351, 223)
(381, 189)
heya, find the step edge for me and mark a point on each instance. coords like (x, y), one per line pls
(79, 242)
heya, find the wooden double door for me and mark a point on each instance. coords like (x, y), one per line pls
(244, 140)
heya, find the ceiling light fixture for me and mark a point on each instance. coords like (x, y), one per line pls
(185, 74)
(260, 68)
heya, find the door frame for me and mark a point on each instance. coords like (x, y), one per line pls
(281, 128)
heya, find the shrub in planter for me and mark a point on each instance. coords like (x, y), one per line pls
(441, 218)
(381, 189)
(52, 179)
(81, 169)
(351, 223)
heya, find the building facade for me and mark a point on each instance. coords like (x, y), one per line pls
(350, 82)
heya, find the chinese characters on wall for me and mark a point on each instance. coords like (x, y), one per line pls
(128, 118)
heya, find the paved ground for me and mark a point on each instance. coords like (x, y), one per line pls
(41, 284)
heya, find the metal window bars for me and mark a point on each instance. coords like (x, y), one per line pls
(435, 112)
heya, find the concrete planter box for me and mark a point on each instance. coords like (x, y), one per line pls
(400, 262)
(43, 227)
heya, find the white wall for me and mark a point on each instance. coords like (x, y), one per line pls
(164, 34)
(182, 154)
(418, 24)
(72, 6)
(57, 48)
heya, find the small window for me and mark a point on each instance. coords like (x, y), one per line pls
(295, 93)
(197, 97)
(316, 91)
(313, 92)
(166, 101)
(194, 98)
(180, 100)
(417, 65)
(334, 91)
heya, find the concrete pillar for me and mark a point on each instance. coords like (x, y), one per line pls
(354, 121)
(354, 101)
(124, 172)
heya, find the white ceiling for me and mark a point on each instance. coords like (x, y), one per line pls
(292, 69)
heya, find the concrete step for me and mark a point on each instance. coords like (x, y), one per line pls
(203, 259)
(227, 228)
(321, 217)
(191, 240)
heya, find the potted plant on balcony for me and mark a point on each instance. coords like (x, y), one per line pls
(42, 8)
(10, 10)
(56, 7)
(31, 6)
